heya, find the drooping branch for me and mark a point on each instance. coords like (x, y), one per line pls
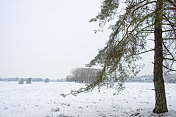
(90, 86)
(121, 23)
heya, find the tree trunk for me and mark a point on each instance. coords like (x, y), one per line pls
(160, 96)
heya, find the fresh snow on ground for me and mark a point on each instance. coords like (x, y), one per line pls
(44, 100)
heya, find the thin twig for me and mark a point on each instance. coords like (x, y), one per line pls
(145, 51)
(167, 67)
(169, 59)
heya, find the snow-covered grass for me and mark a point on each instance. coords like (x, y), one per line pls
(44, 100)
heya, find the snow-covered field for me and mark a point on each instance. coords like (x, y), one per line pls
(44, 100)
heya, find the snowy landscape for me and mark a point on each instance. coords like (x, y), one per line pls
(49, 49)
(44, 100)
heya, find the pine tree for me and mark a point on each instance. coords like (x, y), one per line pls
(128, 40)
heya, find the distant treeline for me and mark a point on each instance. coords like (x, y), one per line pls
(83, 75)
(18, 79)
(88, 75)
(169, 78)
(32, 79)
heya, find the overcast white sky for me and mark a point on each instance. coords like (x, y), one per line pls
(48, 38)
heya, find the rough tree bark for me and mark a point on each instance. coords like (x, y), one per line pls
(160, 96)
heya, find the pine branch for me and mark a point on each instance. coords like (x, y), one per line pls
(121, 23)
